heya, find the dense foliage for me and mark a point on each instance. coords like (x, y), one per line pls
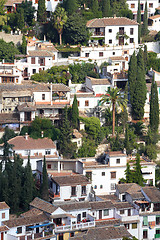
(154, 108)
(7, 51)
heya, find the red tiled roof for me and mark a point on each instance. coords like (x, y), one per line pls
(21, 143)
(3, 228)
(77, 179)
(3, 205)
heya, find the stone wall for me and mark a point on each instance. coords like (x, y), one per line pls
(16, 39)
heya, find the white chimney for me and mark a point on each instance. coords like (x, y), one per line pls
(42, 134)
(26, 136)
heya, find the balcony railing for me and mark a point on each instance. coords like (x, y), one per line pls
(98, 34)
(77, 226)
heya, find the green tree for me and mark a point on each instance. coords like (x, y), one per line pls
(126, 141)
(106, 8)
(138, 171)
(139, 21)
(71, 6)
(95, 8)
(145, 21)
(129, 174)
(154, 107)
(7, 51)
(59, 19)
(75, 113)
(2, 2)
(132, 76)
(88, 148)
(24, 45)
(115, 97)
(20, 18)
(41, 13)
(75, 30)
(145, 56)
(29, 11)
(44, 184)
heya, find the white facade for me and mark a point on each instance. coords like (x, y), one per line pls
(10, 73)
(50, 5)
(154, 23)
(4, 214)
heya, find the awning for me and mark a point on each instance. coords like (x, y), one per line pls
(41, 225)
(63, 215)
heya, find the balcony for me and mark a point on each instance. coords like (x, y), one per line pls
(98, 33)
(77, 226)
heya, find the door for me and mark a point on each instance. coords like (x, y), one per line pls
(123, 65)
(37, 230)
(100, 214)
(79, 218)
(129, 212)
(2, 236)
(121, 40)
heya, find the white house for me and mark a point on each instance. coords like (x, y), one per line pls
(70, 187)
(77, 138)
(114, 31)
(4, 212)
(154, 23)
(11, 73)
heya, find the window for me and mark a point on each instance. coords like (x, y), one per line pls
(101, 186)
(28, 228)
(86, 103)
(3, 215)
(125, 52)
(113, 53)
(43, 96)
(86, 54)
(83, 190)
(118, 160)
(122, 211)
(113, 175)
(110, 40)
(157, 231)
(145, 234)
(123, 197)
(132, 5)
(106, 212)
(142, 7)
(49, 166)
(113, 186)
(84, 214)
(78, 103)
(95, 186)
(19, 230)
(103, 173)
(145, 221)
(27, 152)
(126, 226)
(72, 234)
(109, 30)
(131, 40)
(131, 31)
(151, 5)
(89, 175)
(33, 71)
(100, 54)
(73, 191)
(33, 60)
(134, 225)
(47, 151)
(157, 220)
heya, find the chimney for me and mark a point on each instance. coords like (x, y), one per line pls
(42, 134)
(124, 151)
(26, 136)
(114, 16)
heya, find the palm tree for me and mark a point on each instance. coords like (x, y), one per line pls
(115, 98)
(59, 20)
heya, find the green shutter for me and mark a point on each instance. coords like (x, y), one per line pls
(145, 221)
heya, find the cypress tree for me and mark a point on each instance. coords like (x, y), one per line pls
(145, 56)
(44, 184)
(126, 141)
(95, 8)
(154, 108)
(75, 113)
(28, 186)
(41, 13)
(132, 75)
(139, 21)
(145, 21)
(71, 6)
(129, 174)
(24, 45)
(138, 171)
(106, 8)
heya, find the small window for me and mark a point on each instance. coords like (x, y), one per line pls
(131, 31)
(103, 173)
(134, 225)
(33, 71)
(86, 103)
(150, 5)
(106, 212)
(83, 190)
(145, 234)
(78, 103)
(49, 166)
(109, 30)
(113, 175)
(126, 226)
(131, 40)
(122, 211)
(47, 151)
(118, 160)
(113, 186)
(84, 214)
(132, 5)
(43, 96)
(19, 230)
(3, 215)
(33, 60)
(100, 54)
(101, 186)
(86, 54)
(125, 52)
(110, 40)
(113, 53)
(95, 186)
(73, 191)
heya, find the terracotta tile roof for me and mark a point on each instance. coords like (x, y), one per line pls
(111, 197)
(127, 187)
(24, 221)
(40, 53)
(26, 107)
(149, 213)
(83, 95)
(11, 2)
(117, 58)
(98, 205)
(77, 179)
(103, 233)
(31, 212)
(3, 228)
(3, 205)
(43, 205)
(122, 205)
(112, 21)
(154, 17)
(68, 206)
(116, 153)
(76, 134)
(101, 81)
(108, 222)
(53, 106)
(38, 87)
(9, 118)
(153, 193)
(20, 142)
